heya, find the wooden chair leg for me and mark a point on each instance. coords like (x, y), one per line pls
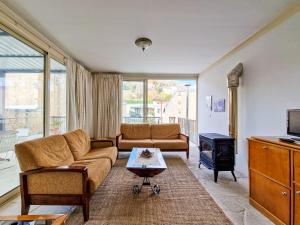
(24, 208)
(187, 154)
(86, 210)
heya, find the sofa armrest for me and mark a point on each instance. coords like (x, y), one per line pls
(118, 139)
(55, 180)
(101, 143)
(78, 169)
(184, 137)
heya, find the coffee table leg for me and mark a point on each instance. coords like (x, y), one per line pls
(146, 181)
(136, 189)
(156, 189)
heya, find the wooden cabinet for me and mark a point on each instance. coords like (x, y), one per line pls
(274, 172)
(272, 196)
(297, 167)
(296, 182)
(297, 205)
(270, 160)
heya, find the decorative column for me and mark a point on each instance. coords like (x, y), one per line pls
(233, 83)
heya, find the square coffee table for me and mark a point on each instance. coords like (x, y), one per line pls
(146, 167)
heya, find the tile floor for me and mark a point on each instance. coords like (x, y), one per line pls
(9, 176)
(232, 197)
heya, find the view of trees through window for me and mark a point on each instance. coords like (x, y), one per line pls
(133, 101)
(161, 101)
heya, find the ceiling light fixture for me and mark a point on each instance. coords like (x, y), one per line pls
(143, 43)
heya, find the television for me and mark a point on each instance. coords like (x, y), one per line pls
(293, 122)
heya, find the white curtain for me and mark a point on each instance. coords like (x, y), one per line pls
(84, 99)
(80, 114)
(71, 83)
(107, 104)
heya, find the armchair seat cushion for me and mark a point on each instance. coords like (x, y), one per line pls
(110, 153)
(172, 144)
(129, 144)
(98, 169)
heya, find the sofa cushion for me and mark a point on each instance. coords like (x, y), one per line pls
(172, 144)
(129, 144)
(165, 131)
(79, 143)
(110, 153)
(98, 169)
(44, 152)
(135, 131)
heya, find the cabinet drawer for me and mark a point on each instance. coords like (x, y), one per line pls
(272, 196)
(297, 205)
(297, 167)
(270, 160)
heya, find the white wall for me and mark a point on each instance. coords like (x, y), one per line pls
(269, 86)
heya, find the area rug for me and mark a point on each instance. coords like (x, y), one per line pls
(182, 200)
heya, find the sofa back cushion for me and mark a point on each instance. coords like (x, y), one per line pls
(135, 131)
(79, 143)
(165, 131)
(44, 152)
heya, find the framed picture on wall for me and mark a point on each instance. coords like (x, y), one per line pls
(219, 105)
(209, 102)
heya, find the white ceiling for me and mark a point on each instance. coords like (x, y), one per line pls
(187, 35)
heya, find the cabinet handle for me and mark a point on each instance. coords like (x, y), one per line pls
(264, 147)
(297, 192)
(284, 193)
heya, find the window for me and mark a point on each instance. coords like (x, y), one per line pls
(133, 101)
(161, 101)
(21, 103)
(58, 98)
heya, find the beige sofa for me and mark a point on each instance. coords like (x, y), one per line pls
(63, 169)
(167, 137)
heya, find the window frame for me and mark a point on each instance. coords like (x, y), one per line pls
(146, 77)
(48, 87)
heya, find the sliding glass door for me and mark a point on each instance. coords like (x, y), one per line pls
(31, 106)
(21, 103)
(161, 101)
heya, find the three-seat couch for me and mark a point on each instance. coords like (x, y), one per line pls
(167, 137)
(63, 169)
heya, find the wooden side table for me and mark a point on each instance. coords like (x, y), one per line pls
(51, 219)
